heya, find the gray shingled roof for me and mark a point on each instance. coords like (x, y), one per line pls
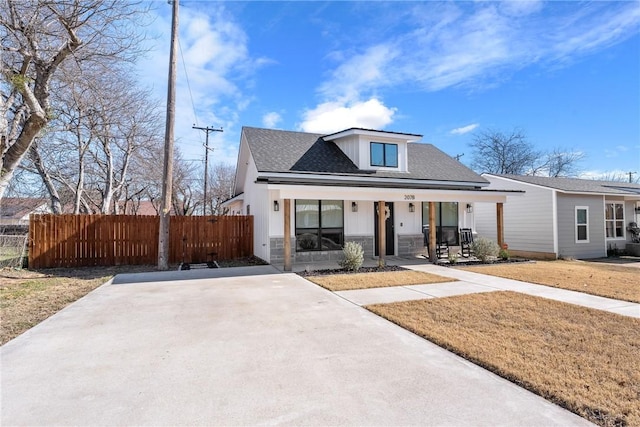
(578, 185)
(300, 152)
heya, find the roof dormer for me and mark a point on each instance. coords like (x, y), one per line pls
(374, 149)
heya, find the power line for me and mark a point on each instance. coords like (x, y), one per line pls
(184, 66)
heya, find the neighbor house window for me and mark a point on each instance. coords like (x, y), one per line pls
(582, 224)
(614, 220)
(319, 225)
(446, 221)
(384, 154)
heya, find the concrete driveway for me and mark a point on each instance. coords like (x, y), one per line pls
(257, 348)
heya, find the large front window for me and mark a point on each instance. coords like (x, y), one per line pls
(614, 220)
(319, 225)
(384, 154)
(446, 221)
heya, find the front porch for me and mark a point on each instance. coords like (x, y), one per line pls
(320, 223)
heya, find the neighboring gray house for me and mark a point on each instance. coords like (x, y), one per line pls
(310, 193)
(563, 217)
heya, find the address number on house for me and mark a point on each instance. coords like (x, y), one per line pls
(409, 197)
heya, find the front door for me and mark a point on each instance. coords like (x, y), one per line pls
(389, 236)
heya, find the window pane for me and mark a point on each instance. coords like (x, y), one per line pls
(307, 213)
(306, 240)
(450, 214)
(391, 155)
(332, 213)
(331, 240)
(377, 154)
(581, 216)
(425, 214)
(619, 211)
(619, 228)
(608, 211)
(609, 228)
(582, 232)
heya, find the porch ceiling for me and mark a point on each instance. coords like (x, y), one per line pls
(286, 191)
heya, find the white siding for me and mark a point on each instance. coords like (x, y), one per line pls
(567, 246)
(351, 147)
(257, 199)
(528, 219)
(358, 223)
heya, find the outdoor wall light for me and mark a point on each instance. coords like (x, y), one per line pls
(412, 207)
(469, 208)
(276, 206)
(354, 207)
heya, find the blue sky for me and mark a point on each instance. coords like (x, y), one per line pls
(567, 73)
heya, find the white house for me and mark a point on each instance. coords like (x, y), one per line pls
(310, 193)
(563, 217)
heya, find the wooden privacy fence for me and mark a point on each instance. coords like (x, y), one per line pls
(107, 240)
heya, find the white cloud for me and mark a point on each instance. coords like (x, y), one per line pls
(464, 129)
(475, 44)
(219, 68)
(334, 116)
(271, 120)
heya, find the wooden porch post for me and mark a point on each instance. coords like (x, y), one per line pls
(500, 220)
(432, 232)
(287, 234)
(382, 247)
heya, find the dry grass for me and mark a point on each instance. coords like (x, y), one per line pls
(622, 283)
(346, 282)
(29, 297)
(583, 359)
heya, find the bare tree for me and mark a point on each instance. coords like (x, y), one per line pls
(503, 153)
(221, 179)
(497, 152)
(38, 36)
(558, 163)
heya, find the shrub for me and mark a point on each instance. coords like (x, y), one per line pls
(453, 258)
(484, 248)
(504, 252)
(353, 256)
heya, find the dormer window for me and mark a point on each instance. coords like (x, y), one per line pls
(383, 154)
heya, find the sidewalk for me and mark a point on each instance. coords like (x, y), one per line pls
(470, 282)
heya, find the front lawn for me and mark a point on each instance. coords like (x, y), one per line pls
(622, 283)
(349, 281)
(583, 359)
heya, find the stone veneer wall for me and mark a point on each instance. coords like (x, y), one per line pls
(277, 250)
(411, 245)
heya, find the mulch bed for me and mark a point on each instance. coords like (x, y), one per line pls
(330, 271)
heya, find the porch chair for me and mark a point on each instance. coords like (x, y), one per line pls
(442, 247)
(466, 239)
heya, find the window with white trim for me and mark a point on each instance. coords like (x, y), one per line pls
(614, 220)
(582, 224)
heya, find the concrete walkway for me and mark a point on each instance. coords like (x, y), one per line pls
(244, 349)
(471, 282)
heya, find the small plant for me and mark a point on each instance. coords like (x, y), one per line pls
(453, 258)
(353, 256)
(484, 248)
(504, 252)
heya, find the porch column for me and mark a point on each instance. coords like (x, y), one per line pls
(382, 239)
(432, 232)
(500, 225)
(287, 234)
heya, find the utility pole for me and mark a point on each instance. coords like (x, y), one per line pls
(167, 170)
(207, 130)
(457, 156)
(631, 176)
